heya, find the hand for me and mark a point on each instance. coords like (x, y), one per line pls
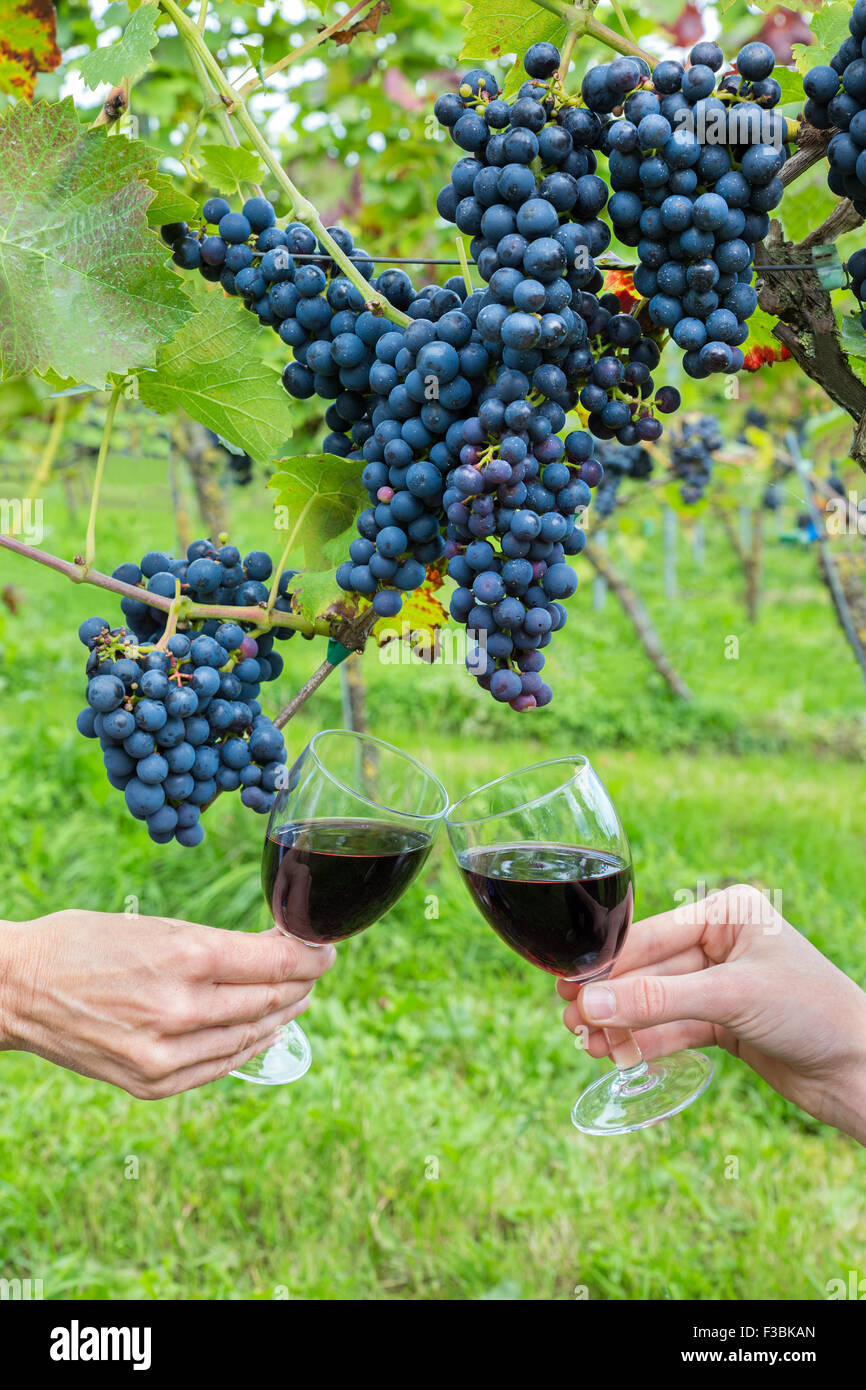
(151, 1004)
(731, 971)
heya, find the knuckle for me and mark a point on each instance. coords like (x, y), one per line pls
(155, 1062)
(649, 998)
(291, 959)
(197, 954)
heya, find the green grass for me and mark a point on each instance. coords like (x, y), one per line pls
(428, 1153)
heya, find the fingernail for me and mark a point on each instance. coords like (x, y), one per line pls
(598, 1002)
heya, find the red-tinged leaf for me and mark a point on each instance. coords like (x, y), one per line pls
(620, 282)
(764, 356)
(368, 25)
(28, 44)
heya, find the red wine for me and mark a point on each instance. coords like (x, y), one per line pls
(328, 879)
(564, 908)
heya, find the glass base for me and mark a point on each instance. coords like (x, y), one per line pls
(623, 1101)
(288, 1060)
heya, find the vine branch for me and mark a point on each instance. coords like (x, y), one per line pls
(303, 49)
(79, 574)
(302, 209)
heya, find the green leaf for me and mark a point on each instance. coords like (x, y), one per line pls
(791, 82)
(213, 371)
(129, 57)
(853, 337)
(761, 334)
(322, 494)
(224, 166)
(169, 205)
(805, 207)
(316, 590)
(28, 45)
(84, 288)
(830, 27)
(495, 28)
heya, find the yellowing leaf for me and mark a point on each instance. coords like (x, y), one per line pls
(28, 44)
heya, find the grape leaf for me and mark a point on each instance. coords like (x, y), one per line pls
(225, 166)
(169, 205)
(316, 591)
(830, 27)
(761, 334)
(28, 45)
(791, 83)
(804, 208)
(322, 494)
(853, 337)
(418, 622)
(213, 370)
(129, 56)
(495, 28)
(84, 288)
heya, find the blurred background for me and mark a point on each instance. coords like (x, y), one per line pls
(712, 668)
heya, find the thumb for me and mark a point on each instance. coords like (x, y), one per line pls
(642, 1000)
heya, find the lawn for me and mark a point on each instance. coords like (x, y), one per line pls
(428, 1153)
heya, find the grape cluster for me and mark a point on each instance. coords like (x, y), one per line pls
(180, 722)
(695, 173)
(836, 96)
(691, 456)
(528, 194)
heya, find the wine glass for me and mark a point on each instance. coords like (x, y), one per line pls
(544, 855)
(347, 834)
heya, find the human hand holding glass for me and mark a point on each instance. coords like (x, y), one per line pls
(346, 836)
(547, 861)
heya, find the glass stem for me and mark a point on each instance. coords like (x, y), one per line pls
(625, 1052)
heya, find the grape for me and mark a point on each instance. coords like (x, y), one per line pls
(161, 724)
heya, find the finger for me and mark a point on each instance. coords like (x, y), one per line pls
(201, 1074)
(684, 963)
(217, 1005)
(210, 1044)
(642, 1000)
(659, 1041)
(265, 958)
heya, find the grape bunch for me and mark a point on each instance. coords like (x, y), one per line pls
(528, 194)
(179, 721)
(836, 96)
(691, 456)
(695, 173)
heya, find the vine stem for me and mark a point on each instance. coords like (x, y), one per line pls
(303, 49)
(623, 22)
(320, 675)
(302, 208)
(46, 463)
(186, 608)
(90, 543)
(464, 265)
(579, 19)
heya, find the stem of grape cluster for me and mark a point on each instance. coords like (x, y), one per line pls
(90, 543)
(302, 209)
(79, 574)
